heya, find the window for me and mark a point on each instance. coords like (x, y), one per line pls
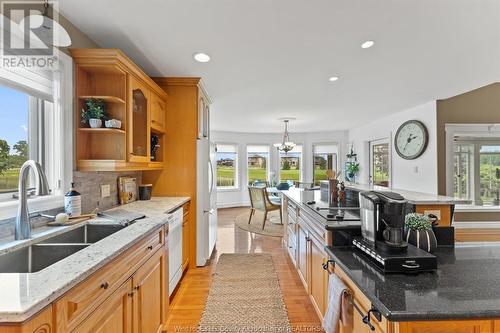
(324, 158)
(37, 105)
(291, 165)
(476, 169)
(258, 162)
(380, 163)
(227, 166)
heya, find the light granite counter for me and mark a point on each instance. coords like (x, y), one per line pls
(416, 198)
(24, 294)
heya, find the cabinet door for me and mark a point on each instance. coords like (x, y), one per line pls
(158, 112)
(185, 241)
(113, 316)
(150, 296)
(318, 282)
(302, 253)
(139, 140)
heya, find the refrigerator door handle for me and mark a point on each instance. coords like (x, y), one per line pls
(211, 177)
(211, 211)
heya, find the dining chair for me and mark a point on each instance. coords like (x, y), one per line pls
(259, 200)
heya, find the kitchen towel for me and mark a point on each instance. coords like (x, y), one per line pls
(337, 304)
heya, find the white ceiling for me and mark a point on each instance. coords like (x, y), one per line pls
(272, 59)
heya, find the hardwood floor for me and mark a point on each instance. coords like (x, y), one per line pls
(188, 303)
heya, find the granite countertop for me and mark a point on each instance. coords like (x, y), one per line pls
(416, 198)
(24, 294)
(465, 285)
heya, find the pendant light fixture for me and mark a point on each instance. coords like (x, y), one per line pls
(286, 145)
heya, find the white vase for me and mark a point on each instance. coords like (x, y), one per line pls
(95, 123)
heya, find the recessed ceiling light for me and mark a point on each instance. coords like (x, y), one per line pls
(201, 57)
(333, 78)
(367, 44)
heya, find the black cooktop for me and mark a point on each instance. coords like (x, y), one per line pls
(338, 211)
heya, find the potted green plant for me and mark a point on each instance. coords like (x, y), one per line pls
(352, 169)
(418, 231)
(94, 112)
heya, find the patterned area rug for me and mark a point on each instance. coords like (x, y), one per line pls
(245, 296)
(273, 227)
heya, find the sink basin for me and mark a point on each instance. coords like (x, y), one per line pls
(40, 255)
(36, 257)
(89, 233)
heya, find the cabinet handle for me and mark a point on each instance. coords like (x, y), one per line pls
(137, 287)
(105, 285)
(150, 247)
(130, 294)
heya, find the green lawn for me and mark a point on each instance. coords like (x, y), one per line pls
(9, 180)
(225, 176)
(256, 174)
(293, 175)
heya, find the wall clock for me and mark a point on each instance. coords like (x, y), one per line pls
(411, 139)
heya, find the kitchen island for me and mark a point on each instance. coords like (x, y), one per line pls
(93, 287)
(426, 303)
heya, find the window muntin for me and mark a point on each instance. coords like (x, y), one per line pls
(291, 165)
(227, 166)
(257, 164)
(324, 158)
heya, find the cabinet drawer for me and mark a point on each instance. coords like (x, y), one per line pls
(77, 303)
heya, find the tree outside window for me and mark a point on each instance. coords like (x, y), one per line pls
(291, 165)
(257, 162)
(227, 166)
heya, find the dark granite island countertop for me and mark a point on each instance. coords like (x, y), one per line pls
(466, 284)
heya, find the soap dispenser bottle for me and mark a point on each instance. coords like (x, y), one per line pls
(73, 202)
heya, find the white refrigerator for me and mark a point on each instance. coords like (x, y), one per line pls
(206, 197)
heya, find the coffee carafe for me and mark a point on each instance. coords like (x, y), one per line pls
(382, 219)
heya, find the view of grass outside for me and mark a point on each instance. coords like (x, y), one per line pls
(227, 159)
(290, 166)
(380, 164)
(13, 137)
(257, 166)
(489, 164)
(323, 162)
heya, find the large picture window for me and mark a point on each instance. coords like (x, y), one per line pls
(291, 165)
(324, 158)
(258, 164)
(227, 166)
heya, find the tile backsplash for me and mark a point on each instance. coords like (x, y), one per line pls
(89, 185)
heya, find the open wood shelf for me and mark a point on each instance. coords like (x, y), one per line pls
(102, 130)
(108, 99)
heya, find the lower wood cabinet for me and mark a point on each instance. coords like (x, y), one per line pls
(114, 315)
(185, 237)
(302, 255)
(318, 282)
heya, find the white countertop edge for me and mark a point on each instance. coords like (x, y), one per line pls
(102, 257)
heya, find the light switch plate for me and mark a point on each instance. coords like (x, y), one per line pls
(105, 191)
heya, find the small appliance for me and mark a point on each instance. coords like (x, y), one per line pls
(382, 224)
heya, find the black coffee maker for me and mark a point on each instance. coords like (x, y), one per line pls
(382, 228)
(383, 217)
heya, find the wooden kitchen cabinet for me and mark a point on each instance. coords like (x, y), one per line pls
(114, 315)
(39, 323)
(139, 130)
(150, 295)
(158, 113)
(318, 282)
(302, 255)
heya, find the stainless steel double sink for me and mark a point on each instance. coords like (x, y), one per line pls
(35, 257)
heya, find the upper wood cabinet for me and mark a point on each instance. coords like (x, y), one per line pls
(131, 97)
(158, 113)
(138, 124)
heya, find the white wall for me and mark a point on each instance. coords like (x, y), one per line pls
(239, 197)
(415, 175)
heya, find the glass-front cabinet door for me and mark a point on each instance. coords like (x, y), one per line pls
(138, 122)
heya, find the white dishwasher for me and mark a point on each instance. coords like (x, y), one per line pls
(175, 249)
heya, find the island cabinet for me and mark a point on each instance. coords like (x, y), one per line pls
(185, 237)
(305, 241)
(131, 97)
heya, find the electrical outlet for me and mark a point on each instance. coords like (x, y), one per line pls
(105, 191)
(436, 212)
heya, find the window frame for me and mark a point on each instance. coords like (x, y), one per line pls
(336, 167)
(60, 131)
(389, 160)
(236, 187)
(301, 163)
(268, 161)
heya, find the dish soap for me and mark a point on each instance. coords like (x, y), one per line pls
(73, 202)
